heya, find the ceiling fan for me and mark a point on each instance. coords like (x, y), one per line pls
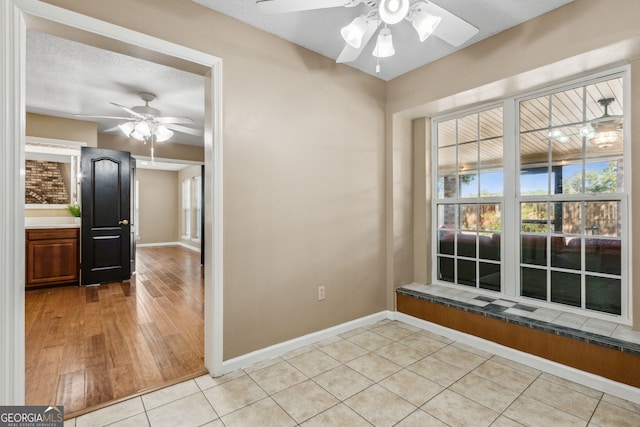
(426, 18)
(146, 123)
(603, 131)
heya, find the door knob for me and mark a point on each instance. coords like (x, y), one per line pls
(123, 222)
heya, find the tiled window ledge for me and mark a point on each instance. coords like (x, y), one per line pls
(589, 330)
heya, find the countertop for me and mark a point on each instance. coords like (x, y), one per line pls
(51, 222)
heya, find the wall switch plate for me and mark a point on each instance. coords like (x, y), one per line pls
(321, 293)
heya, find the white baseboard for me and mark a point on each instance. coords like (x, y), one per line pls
(597, 382)
(287, 346)
(185, 245)
(149, 245)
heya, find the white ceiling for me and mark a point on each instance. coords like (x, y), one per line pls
(65, 78)
(319, 30)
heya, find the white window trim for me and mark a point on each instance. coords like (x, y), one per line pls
(511, 216)
(186, 209)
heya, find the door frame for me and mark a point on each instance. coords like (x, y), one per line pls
(12, 137)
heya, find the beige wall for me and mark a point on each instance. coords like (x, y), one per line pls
(559, 46)
(59, 128)
(304, 174)
(399, 201)
(188, 173)
(158, 200)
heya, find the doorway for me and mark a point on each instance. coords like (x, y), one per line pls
(14, 14)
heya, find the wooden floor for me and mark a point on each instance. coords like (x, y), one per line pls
(86, 346)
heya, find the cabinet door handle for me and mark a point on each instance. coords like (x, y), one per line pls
(123, 222)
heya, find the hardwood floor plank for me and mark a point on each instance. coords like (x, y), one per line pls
(71, 391)
(44, 377)
(97, 386)
(123, 381)
(86, 346)
(96, 352)
(162, 353)
(189, 359)
(91, 294)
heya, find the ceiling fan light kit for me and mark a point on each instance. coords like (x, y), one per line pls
(354, 32)
(426, 18)
(423, 22)
(393, 11)
(384, 44)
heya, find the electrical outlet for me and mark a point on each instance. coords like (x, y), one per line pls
(321, 294)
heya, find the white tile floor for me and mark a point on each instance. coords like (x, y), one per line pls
(388, 374)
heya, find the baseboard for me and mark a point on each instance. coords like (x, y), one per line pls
(596, 382)
(193, 248)
(287, 346)
(184, 245)
(605, 385)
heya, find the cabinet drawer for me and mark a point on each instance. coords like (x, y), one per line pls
(52, 233)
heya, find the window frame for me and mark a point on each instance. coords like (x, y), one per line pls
(197, 208)
(186, 209)
(511, 198)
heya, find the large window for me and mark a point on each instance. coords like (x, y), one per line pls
(550, 222)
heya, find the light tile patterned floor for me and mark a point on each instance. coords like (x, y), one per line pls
(388, 374)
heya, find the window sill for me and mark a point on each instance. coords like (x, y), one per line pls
(590, 330)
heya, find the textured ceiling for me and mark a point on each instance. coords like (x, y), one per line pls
(319, 30)
(64, 78)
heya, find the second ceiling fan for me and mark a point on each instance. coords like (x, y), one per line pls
(146, 122)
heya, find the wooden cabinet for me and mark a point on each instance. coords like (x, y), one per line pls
(53, 256)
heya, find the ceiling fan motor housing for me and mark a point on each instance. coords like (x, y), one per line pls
(147, 97)
(146, 110)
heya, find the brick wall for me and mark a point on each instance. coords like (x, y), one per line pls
(44, 183)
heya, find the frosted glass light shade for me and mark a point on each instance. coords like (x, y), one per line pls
(605, 139)
(384, 44)
(126, 128)
(143, 128)
(425, 24)
(392, 11)
(354, 32)
(163, 133)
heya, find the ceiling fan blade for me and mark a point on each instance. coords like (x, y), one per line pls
(284, 6)
(129, 110)
(113, 129)
(183, 120)
(184, 129)
(87, 116)
(350, 53)
(452, 29)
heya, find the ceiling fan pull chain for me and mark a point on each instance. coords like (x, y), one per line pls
(153, 160)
